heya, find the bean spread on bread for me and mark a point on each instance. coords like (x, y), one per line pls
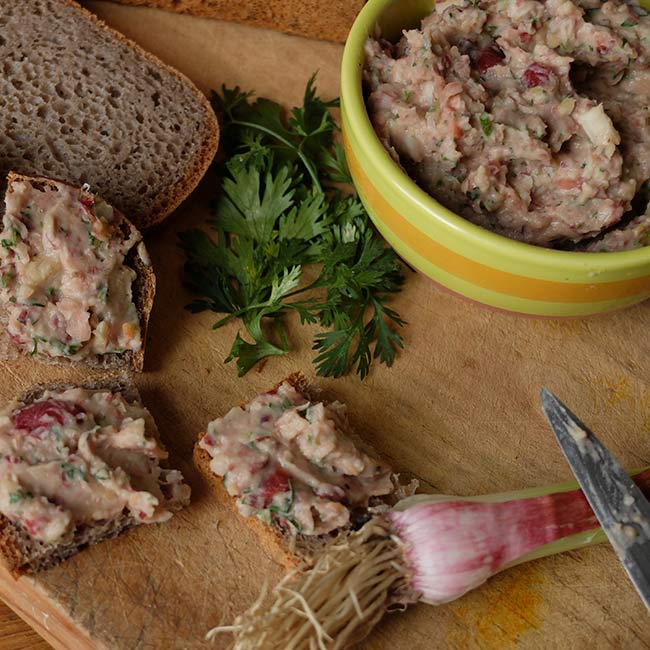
(290, 462)
(65, 287)
(79, 456)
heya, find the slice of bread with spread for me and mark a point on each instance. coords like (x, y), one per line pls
(78, 465)
(330, 21)
(76, 283)
(291, 464)
(80, 102)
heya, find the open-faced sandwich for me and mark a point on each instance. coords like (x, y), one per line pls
(79, 464)
(289, 463)
(76, 280)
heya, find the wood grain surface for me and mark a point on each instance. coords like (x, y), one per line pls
(459, 409)
(15, 634)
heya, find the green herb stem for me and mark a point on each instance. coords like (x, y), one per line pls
(305, 161)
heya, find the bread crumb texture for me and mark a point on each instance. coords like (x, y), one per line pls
(81, 103)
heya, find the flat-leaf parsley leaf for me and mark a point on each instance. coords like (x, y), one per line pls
(280, 209)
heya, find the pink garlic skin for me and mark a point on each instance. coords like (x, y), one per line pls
(454, 546)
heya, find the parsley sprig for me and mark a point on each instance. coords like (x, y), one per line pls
(282, 208)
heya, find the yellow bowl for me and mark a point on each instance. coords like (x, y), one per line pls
(455, 253)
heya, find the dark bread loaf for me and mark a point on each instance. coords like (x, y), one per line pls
(330, 21)
(290, 549)
(80, 102)
(20, 552)
(143, 289)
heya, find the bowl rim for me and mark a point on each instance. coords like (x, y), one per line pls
(355, 113)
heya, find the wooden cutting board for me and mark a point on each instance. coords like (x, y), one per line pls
(459, 409)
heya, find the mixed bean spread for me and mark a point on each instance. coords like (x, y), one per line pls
(65, 287)
(530, 118)
(80, 456)
(292, 463)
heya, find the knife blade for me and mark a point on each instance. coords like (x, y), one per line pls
(621, 508)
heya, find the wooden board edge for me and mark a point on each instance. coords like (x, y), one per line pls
(31, 603)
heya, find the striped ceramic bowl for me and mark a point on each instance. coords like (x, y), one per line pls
(455, 253)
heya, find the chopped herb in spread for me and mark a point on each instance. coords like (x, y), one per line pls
(486, 124)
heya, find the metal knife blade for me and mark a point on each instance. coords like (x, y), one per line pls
(621, 508)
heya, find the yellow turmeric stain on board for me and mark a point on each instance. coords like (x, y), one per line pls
(619, 389)
(499, 614)
(631, 396)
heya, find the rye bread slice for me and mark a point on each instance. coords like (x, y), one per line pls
(327, 20)
(80, 102)
(290, 550)
(143, 288)
(19, 552)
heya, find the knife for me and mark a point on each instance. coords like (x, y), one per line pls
(621, 508)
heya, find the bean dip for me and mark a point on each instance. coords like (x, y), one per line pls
(528, 118)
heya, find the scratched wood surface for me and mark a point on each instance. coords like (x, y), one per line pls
(459, 409)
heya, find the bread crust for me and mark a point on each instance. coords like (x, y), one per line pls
(143, 288)
(19, 552)
(270, 538)
(23, 555)
(330, 21)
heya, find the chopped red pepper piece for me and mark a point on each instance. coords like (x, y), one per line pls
(88, 205)
(43, 414)
(490, 56)
(536, 75)
(277, 483)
